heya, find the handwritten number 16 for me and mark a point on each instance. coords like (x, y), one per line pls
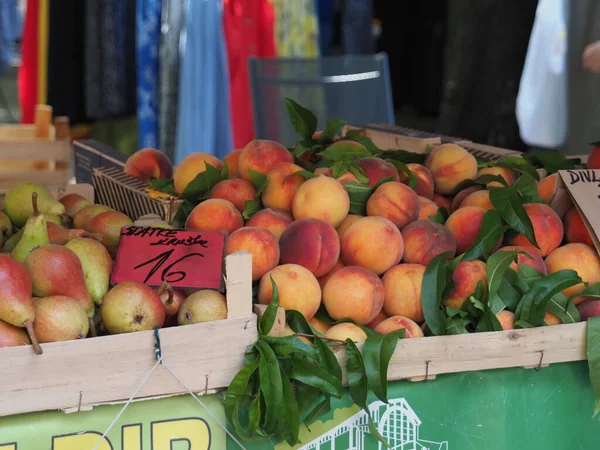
(166, 273)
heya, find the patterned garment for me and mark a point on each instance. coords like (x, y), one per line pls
(28, 71)
(296, 28)
(109, 58)
(148, 24)
(203, 119)
(173, 18)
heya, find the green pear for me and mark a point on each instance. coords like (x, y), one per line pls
(96, 263)
(12, 241)
(6, 228)
(17, 203)
(35, 233)
(55, 218)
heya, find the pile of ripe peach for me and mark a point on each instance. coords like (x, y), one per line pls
(370, 268)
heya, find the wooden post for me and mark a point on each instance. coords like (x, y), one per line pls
(43, 120)
(238, 284)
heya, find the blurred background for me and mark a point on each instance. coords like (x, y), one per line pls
(190, 75)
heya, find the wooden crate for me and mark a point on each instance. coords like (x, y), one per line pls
(39, 153)
(75, 375)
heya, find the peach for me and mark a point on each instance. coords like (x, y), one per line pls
(575, 230)
(547, 228)
(396, 202)
(506, 319)
(297, 287)
(462, 195)
(319, 325)
(593, 161)
(466, 276)
(321, 171)
(261, 243)
(377, 320)
(377, 169)
(281, 186)
(311, 243)
(532, 258)
(353, 293)
(427, 208)
(261, 156)
(546, 187)
(581, 258)
(443, 201)
(343, 331)
(346, 177)
(588, 308)
(402, 284)
(373, 243)
(148, 164)
(236, 190)
(450, 165)
(550, 319)
(343, 227)
(424, 240)
(231, 161)
(191, 166)
(215, 214)
(323, 280)
(424, 186)
(465, 225)
(506, 174)
(479, 198)
(321, 198)
(395, 323)
(273, 219)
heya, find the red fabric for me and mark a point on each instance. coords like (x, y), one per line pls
(249, 31)
(28, 72)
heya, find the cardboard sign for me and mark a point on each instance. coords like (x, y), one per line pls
(182, 258)
(583, 186)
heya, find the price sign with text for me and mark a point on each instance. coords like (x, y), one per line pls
(182, 258)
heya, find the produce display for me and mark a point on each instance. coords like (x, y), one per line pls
(360, 245)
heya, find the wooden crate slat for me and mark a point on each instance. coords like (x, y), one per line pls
(34, 151)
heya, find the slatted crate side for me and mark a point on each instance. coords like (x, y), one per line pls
(108, 369)
(406, 131)
(394, 141)
(124, 193)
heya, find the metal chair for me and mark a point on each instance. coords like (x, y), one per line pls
(354, 88)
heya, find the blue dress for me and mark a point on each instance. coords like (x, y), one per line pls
(203, 115)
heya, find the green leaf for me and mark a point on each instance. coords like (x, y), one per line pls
(497, 265)
(289, 421)
(323, 406)
(202, 183)
(270, 315)
(523, 324)
(340, 168)
(287, 345)
(508, 294)
(184, 211)
(236, 393)
(270, 385)
(328, 359)
(403, 156)
(491, 232)
(298, 323)
(251, 207)
(591, 291)
(315, 376)
(593, 357)
(455, 325)
(377, 352)
(508, 204)
(552, 161)
(303, 147)
(357, 171)
(563, 308)
(432, 288)
(345, 152)
(359, 195)
(353, 134)
(224, 172)
(403, 168)
(533, 304)
(518, 164)
(305, 173)
(166, 185)
(357, 376)
(526, 186)
(258, 180)
(254, 416)
(488, 322)
(306, 397)
(303, 120)
(366, 141)
(334, 128)
(485, 179)
(440, 216)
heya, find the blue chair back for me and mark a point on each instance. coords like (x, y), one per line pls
(354, 88)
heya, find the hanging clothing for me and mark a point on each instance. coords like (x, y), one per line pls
(66, 73)
(173, 16)
(110, 77)
(147, 44)
(28, 71)
(203, 118)
(296, 29)
(326, 14)
(42, 67)
(7, 33)
(357, 31)
(249, 28)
